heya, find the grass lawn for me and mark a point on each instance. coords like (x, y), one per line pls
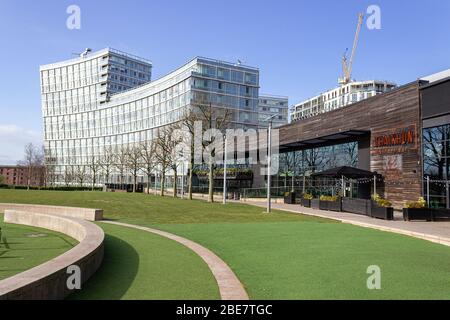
(22, 247)
(145, 209)
(277, 256)
(310, 260)
(142, 265)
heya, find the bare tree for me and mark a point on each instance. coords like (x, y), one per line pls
(107, 163)
(120, 162)
(69, 175)
(94, 166)
(80, 175)
(166, 153)
(134, 162)
(188, 121)
(149, 161)
(212, 118)
(30, 162)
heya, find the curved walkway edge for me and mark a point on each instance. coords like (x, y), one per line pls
(48, 281)
(230, 287)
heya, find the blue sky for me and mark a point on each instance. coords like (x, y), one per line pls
(296, 44)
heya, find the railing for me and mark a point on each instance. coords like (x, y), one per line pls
(131, 56)
(275, 192)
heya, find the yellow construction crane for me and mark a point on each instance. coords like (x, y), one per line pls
(347, 68)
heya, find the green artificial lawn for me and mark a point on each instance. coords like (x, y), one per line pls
(310, 260)
(276, 256)
(142, 265)
(22, 247)
(149, 209)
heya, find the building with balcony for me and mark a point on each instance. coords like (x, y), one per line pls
(339, 97)
(104, 100)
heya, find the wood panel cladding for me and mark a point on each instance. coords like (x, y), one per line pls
(394, 122)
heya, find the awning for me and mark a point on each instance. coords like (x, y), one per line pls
(347, 172)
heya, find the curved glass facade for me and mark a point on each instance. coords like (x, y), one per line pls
(85, 113)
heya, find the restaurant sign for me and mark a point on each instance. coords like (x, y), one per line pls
(403, 137)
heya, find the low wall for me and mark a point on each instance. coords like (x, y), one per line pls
(80, 213)
(48, 281)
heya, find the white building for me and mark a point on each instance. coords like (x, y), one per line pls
(104, 101)
(270, 105)
(339, 97)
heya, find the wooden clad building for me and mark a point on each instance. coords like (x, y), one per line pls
(388, 129)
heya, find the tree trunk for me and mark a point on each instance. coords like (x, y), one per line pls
(163, 179)
(175, 184)
(134, 183)
(29, 178)
(190, 174)
(211, 182)
(149, 181)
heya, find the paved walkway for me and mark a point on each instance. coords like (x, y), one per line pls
(438, 232)
(230, 287)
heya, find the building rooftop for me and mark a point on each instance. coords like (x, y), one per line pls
(93, 55)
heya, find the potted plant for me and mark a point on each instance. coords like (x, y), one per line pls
(289, 197)
(417, 210)
(381, 208)
(330, 203)
(306, 200)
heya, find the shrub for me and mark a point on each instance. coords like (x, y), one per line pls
(328, 198)
(419, 204)
(308, 196)
(381, 202)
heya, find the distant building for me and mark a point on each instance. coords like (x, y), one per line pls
(104, 100)
(270, 105)
(339, 97)
(18, 176)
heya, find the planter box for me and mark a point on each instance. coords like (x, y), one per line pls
(330, 205)
(358, 206)
(290, 199)
(315, 203)
(441, 213)
(425, 214)
(385, 213)
(306, 203)
(418, 214)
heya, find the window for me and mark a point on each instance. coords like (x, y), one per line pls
(436, 163)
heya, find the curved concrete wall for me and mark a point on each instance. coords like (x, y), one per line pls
(49, 280)
(80, 213)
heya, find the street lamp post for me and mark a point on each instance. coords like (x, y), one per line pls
(269, 162)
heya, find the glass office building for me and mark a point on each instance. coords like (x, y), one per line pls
(105, 100)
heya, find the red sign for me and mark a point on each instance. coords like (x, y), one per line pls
(400, 138)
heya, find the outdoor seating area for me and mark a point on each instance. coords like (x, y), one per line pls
(362, 204)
